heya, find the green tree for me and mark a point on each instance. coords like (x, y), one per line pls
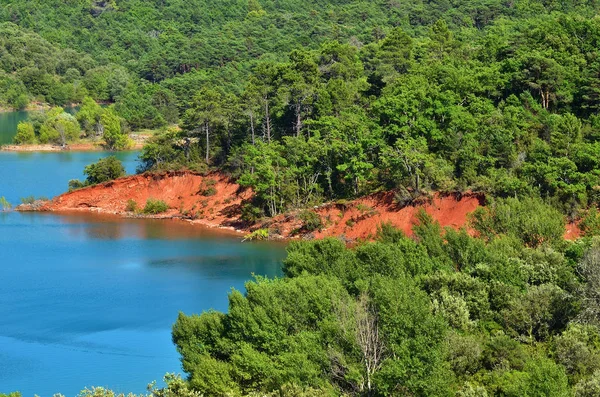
(114, 137)
(204, 116)
(59, 127)
(529, 219)
(25, 134)
(104, 170)
(88, 117)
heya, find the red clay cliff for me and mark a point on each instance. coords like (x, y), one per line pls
(214, 200)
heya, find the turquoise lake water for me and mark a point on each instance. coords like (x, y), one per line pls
(10, 120)
(8, 125)
(89, 300)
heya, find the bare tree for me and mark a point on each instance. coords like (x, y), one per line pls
(589, 270)
(359, 323)
(368, 337)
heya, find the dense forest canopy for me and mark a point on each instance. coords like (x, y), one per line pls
(444, 314)
(306, 102)
(329, 100)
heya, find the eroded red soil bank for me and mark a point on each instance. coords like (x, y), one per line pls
(215, 200)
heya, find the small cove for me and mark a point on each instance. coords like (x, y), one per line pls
(90, 299)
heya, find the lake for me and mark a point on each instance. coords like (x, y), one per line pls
(10, 120)
(89, 299)
(8, 125)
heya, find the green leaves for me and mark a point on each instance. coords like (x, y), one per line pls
(104, 170)
(530, 220)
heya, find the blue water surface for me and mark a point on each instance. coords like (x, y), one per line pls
(89, 299)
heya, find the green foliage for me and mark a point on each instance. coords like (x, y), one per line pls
(258, 234)
(155, 206)
(207, 188)
(311, 221)
(310, 101)
(88, 117)
(114, 137)
(4, 204)
(32, 199)
(132, 206)
(75, 184)
(590, 223)
(341, 100)
(104, 170)
(175, 386)
(25, 134)
(530, 220)
(58, 127)
(588, 387)
(446, 312)
(251, 213)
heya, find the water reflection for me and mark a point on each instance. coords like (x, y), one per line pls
(98, 293)
(115, 227)
(10, 120)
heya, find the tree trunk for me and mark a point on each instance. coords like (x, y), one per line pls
(186, 148)
(63, 137)
(252, 125)
(368, 338)
(417, 181)
(298, 119)
(268, 120)
(207, 141)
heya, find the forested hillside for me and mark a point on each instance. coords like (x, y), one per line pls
(444, 314)
(313, 101)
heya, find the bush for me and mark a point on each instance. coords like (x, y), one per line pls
(28, 200)
(208, 187)
(154, 206)
(75, 184)
(530, 220)
(104, 170)
(589, 387)
(590, 223)
(259, 234)
(311, 221)
(25, 134)
(132, 206)
(251, 213)
(4, 204)
(33, 199)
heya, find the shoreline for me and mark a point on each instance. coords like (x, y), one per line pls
(184, 192)
(351, 221)
(36, 106)
(139, 140)
(74, 147)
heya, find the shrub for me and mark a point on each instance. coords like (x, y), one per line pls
(208, 187)
(366, 211)
(251, 213)
(154, 206)
(28, 200)
(114, 136)
(132, 206)
(530, 219)
(104, 170)
(590, 223)
(311, 221)
(259, 234)
(4, 204)
(25, 134)
(75, 184)
(588, 387)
